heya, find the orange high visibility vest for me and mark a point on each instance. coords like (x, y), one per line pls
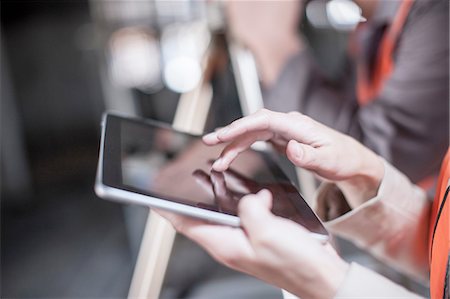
(439, 242)
(368, 86)
(367, 89)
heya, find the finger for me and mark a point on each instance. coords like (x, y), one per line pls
(303, 155)
(254, 122)
(292, 125)
(239, 145)
(260, 121)
(211, 138)
(254, 212)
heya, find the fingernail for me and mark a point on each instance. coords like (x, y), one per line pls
(210, 136)
(297, 149)
(263, 192)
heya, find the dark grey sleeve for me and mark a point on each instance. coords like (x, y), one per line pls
(408, 123)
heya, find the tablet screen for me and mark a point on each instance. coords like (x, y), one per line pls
(155, 160)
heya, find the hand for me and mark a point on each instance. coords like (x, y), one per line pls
(308, 144)
(268, 29)
(270, 248)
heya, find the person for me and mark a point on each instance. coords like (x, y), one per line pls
(389, 217)
(393, 94)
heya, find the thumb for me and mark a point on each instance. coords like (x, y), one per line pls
(254, 211)
(302, 155)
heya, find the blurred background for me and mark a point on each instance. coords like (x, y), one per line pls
(62, 65)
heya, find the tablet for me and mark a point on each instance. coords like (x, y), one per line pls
(149, 163)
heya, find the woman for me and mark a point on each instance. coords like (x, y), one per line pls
(388, 216)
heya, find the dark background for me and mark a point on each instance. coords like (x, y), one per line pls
(58, 239)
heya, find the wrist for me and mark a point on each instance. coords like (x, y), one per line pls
(333, 278)
(332, 272)
(365, 184)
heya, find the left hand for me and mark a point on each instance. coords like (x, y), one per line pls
(268, 247)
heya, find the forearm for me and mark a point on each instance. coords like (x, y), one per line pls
(361, 283)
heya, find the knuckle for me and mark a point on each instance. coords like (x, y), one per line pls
(310, 160)
(308, 123)
(263, 116)
(264, 113)
(305, 118)
(265, 120)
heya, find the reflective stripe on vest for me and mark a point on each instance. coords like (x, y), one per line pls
(368, 84)
(439, 233)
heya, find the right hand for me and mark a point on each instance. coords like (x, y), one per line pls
(329, 154)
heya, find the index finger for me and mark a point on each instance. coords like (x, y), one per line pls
(261, 120)
(291, 125)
